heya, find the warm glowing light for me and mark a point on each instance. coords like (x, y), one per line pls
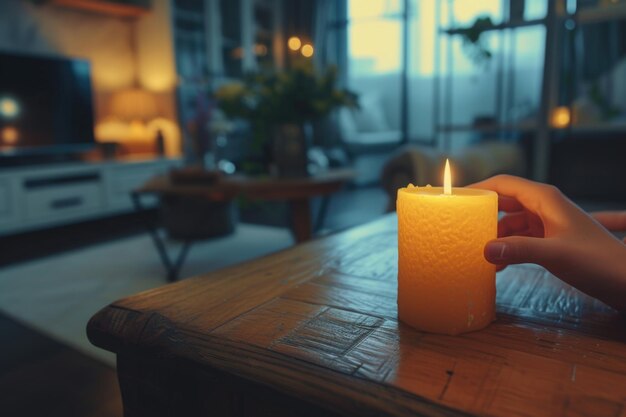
(307, 50)
(294, 43)
(133, 104)
(260, 49)
(137, 130)
(9, 135)
(137, 135)
(447, 179)
(111, 130)
(561, 117)
(9, 107)
(237, 53)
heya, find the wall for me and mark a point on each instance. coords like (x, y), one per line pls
(156, 62)
(45, 29)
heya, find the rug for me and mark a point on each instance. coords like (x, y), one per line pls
(59, 294)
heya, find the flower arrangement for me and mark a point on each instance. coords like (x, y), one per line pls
(285, 101)
(293, 96)
(280, 101)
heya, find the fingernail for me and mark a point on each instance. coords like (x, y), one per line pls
(496, 251)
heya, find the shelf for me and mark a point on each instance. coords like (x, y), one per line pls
(601, 14)
(525, 127)
(191, 16)
(531, 127)
(596, 128)
(104, 7)
(188, 35)
(500, 26)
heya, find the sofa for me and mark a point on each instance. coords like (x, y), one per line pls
(421, 165)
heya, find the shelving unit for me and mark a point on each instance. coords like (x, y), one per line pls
(444, 126)
(602, 14)
(562, 23)
(530, 127)
(598, 128)
(128, 9)
(216, 41)
(607, 13)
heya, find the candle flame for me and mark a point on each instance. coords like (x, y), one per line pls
(447, 179)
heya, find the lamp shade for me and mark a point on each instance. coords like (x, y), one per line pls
(134, 104)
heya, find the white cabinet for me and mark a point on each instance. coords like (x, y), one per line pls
(63, 201)
(8, 203)
(44, 196)
(121, 181)
(5, 198)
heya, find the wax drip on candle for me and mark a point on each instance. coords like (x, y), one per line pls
(447, 180)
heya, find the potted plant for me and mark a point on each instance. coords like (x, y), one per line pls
(280, 107)
(474, 42)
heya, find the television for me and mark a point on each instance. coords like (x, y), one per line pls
(46, 105)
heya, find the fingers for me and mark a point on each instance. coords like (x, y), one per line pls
(529, 194)
(512, 224)
(614, 221)
(508, 204)
(518, 249)
(521, 223)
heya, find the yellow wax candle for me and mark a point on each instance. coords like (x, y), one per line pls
(445, 285)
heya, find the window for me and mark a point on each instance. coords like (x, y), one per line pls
(435, 82)
(375, 62)
(375, 37)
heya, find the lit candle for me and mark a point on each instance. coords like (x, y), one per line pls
(445, 285)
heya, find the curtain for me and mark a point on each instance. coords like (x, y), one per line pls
(330, 21)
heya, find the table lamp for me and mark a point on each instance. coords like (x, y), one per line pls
(137, 107)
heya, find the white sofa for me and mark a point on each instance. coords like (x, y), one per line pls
(368, 137)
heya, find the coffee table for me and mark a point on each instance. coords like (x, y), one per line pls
(296, 192)
(313, 331)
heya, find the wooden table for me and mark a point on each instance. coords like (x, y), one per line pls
(297, 192)
(313, 331)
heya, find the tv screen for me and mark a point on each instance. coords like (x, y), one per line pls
(45, 104)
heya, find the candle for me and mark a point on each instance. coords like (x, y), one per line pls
(445, 285)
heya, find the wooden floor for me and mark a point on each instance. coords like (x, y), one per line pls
(50, 242)
(41, 377)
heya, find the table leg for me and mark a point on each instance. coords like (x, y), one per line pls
(172, 268)
(301, 226)
(321, 214)
(172, 273)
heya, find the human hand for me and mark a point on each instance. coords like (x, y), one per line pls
(544, 227)
(613, 221)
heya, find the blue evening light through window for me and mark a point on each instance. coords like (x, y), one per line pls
(375, 32)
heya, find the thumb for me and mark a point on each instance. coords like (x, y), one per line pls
(521, 249)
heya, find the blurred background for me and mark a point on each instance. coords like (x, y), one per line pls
(143, 141)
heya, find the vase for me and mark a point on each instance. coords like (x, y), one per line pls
(290, 145)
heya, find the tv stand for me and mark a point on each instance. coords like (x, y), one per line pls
(42, 196)
(22, 161)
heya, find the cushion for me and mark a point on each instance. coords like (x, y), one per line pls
(371, 116)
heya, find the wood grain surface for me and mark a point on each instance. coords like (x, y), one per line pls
(315, 329)
(226, 187)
